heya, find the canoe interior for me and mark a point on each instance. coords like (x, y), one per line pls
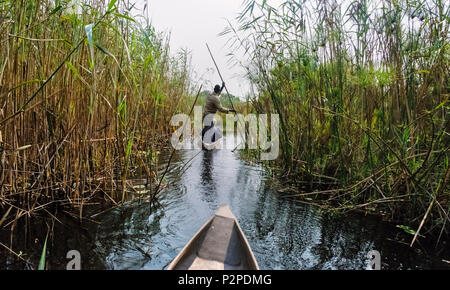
(219, 245)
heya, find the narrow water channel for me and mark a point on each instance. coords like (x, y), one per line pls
(283, 234)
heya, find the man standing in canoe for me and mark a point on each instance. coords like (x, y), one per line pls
(213, 105)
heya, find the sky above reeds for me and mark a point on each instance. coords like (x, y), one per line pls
(196, 22)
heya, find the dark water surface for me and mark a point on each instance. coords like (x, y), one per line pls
(283, 234)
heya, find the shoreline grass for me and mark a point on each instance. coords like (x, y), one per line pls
(85, 95)
(362, 92)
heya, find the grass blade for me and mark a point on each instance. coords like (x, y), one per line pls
(44, 252)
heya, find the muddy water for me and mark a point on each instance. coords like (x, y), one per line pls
(283, 234)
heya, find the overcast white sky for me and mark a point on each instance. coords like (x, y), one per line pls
(192, 23)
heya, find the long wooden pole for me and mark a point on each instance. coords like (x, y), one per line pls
(228, 94)
(220, 75)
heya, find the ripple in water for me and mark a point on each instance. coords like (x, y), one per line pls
(282, 233)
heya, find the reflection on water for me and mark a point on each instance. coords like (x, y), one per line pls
(282, 233)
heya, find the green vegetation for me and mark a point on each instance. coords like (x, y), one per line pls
(43, 255)
(362, 91)
(86, 96)
(361, 88)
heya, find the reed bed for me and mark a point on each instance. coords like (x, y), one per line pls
(86, 96)
(362, 91)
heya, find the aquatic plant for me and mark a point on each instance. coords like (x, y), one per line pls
(362, 91)
(86, 95)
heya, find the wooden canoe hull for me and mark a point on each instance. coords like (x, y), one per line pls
(219, 244)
